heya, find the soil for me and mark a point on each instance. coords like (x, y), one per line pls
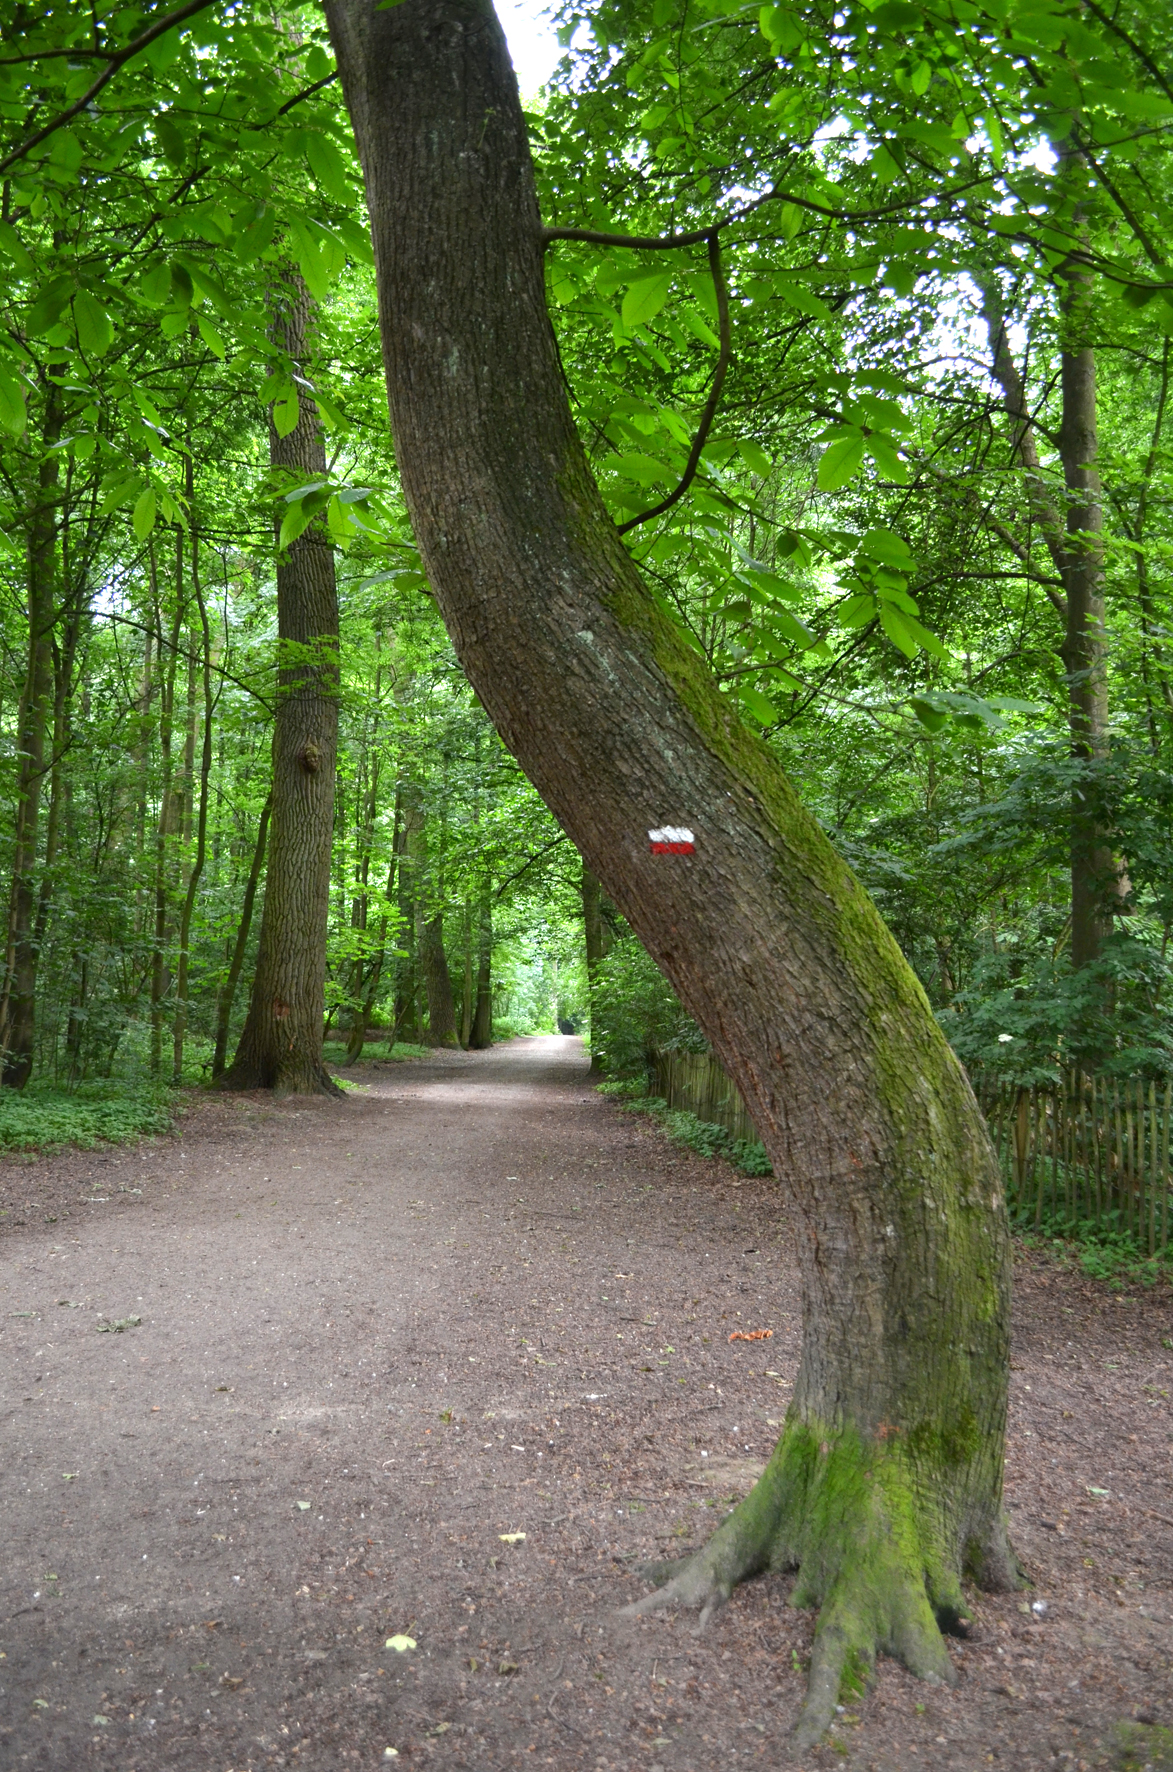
(485, 1301)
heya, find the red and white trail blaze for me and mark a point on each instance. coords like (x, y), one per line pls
(671, 840)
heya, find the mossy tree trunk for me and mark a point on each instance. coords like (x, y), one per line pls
(886, 1484)
(281, 1042)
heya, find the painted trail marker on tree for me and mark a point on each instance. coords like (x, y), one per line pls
(671, 839)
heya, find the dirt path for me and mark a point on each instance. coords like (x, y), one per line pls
(476, 1300)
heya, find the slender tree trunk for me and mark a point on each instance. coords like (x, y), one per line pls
(1073, 539)
(481, 1034)
(240, 946)
(169, 806)
(281, 1044)
(18, 1013)
(887, 1481)
(1085, 651)
(201, 830)
(358, 1033)
(592, 924)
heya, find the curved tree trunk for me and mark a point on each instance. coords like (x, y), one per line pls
(281, 1042)
(887, 1481)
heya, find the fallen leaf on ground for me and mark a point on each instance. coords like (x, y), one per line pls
(751, 1335)
(119, 1325)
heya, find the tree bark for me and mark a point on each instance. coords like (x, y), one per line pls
(19, 1018)
(481, 1033)
(240, 946)
(592, 924)
(201, 830)
(281, 1042)
(1085, 651)
(441, 1007)
(887, 1481)
(169, 799)
(1073, 539)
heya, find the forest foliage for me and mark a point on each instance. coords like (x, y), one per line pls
(824, 282)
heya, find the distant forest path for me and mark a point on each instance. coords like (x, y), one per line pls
(290, 1383)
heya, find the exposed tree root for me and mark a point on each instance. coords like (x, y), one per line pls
(300, 1077)
(876, 1551)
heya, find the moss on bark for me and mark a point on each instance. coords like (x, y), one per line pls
(861, 1522)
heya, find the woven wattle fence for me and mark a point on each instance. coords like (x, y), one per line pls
(1086, 1151)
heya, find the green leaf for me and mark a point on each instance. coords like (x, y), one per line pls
(328, 166)
(155, 285)
(49, 306)
(182, 287)
(95, 329)
(841, 462)
(755, 458)
(930, 717)
(887, 458)
(757, 705)
(925, 640)
(645, 470)
(887, 547)
(286, 410)
(12, 414)
(144, 513)
(310, 258)
(13, 247)
(698, 326)
(210, 337)
(895, 625)
(169, 138)
(644, 299)
(802, 299)
(856, 612)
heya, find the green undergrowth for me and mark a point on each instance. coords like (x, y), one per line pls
(746, 1154)
(44, 1116)
(1103, 1252)
(1143, 1747)
(334, 1052)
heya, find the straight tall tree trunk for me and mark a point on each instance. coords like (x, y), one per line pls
(481, 1033)
(1085, 651)
(240, 945)
(592, 925)
(18, 1013)
(170, 814)
(887, 1481)
(281, 1043)
(201, 826)
(1073, 538)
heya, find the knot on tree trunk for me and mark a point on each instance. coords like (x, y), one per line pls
(310, 757)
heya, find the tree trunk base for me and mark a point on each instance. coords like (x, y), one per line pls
(293, 1076)
(855, 1518)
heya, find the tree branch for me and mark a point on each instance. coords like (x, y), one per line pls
(714, 399)
(117, 58)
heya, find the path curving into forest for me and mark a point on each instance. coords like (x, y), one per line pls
(475, 1299)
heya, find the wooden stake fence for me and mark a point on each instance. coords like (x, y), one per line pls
(1088, 1150)
(695, 1082)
